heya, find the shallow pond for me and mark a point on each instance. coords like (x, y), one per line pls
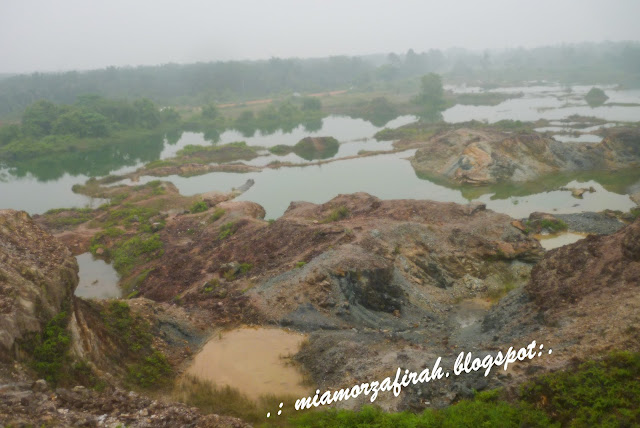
(252, 360)
(98, 279)
(549, 242)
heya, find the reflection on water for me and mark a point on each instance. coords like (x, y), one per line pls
(98, 279)
(549, 242)
(252, 361)
(354, 135)
(582, 138)
(35, 196)
(39, 185)
(391, 177)
(549, 102)
(560, 201)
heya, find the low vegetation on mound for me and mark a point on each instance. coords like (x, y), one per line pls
(310, 148)
(594, 393)
(147, 367)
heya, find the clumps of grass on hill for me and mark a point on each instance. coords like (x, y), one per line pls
(594, 393)
(217, 215)
(198, 207)
(224, 400)
(337, 214)
(227, 229)
(50, 357)
(485, 410)
(133, 251)
(61, 217)
(546, 224)
(50, 351)
(147, 367)
(126, 253)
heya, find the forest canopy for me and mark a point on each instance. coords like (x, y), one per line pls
(215, 82)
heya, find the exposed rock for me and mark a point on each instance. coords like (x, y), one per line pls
(577, 193)
(488, 155)
(22, 406)
(38, 276)
(582, 299)
(590, 222)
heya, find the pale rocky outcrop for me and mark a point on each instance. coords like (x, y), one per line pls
(38, 276)
(488, 155)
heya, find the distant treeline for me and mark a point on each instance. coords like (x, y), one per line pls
(216, 82)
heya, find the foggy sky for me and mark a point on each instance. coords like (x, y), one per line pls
(47, 35)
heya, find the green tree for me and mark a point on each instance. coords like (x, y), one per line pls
(81, 123)
(210, 112)
(8, 133)
(39, 117)
(431, 98)
(147, 114)
(311, 104)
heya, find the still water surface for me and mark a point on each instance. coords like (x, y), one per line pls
(263, 368)
(41, 186)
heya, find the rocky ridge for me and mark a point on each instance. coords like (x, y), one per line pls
(483, 156)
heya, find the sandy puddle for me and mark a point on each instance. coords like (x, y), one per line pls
(470, 311)
(252, 361)
(98, 279)
(549, 242)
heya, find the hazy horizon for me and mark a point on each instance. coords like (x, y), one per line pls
(36, 35)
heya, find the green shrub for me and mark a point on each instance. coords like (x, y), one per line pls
(198, 207)
(151, 371)
(50, 351)
(337, 214)
(217, 214)
(227, 230)
(596, 393)
(245, 268)
(130, 330)
(554, 226)
(133, 251)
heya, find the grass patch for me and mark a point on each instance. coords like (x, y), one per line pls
(554, 225)
(300, 264)
(596, 393)
(130, 289)
(227, 230)
(129, 329)
(550, 225)
(224, 400)
(128, 215)
(131, 252)
(337, 214)
(245, 268)
(217, 215)
(153, 370)
(50, 353)
(198, 207)
(148, 367)
(70, 217)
